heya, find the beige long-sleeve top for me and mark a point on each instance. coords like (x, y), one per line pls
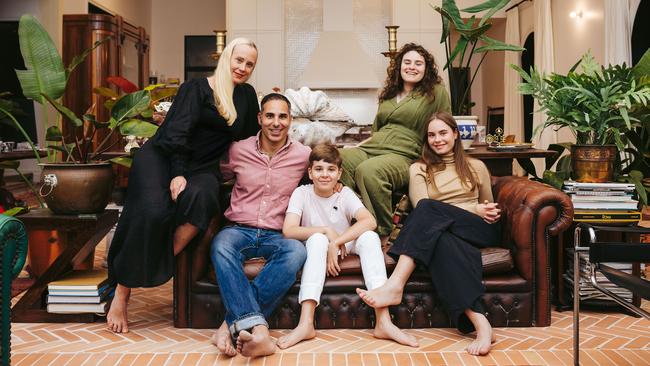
(448, 187)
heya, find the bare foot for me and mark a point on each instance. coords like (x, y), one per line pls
(223, 341)
(484, 337)
(300, 333)
(259, 343)
(382, 296)
(388, 330)
(116, 319)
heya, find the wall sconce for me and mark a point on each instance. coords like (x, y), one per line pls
(392, 41)
(221, 43)
(576, 14)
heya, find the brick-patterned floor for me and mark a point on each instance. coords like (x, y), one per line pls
(606, 338)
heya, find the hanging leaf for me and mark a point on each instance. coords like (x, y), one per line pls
(64, 111)
(53, 133)
(138, 128)
(45, 73)
(122, 83)
(106, 92)
(123, 160)
(131, 105)
(492, 44)
(492, 6)
(78, 59)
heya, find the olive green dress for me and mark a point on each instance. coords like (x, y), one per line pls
(380, 166)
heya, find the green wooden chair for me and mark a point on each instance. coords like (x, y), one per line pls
(13, 251)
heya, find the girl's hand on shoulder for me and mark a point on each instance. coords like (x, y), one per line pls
(333, 268)
(177, 186)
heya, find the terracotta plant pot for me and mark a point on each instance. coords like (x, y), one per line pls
(77, 188)
(593, 163)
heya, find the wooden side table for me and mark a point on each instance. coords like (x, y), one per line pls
(83, 233)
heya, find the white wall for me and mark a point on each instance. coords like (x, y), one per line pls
(262, 21)
(171, 21)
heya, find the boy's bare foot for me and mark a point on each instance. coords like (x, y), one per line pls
(382, 296)
(300, 333)
(388, 330)
(117, 319)
(222, 340)
(259, 343)
(484, 336)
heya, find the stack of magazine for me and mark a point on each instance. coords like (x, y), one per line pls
(79, 292)
(587, 292)
(603, 202)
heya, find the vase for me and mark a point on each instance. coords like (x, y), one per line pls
(77, 188)
(593, 163)
(467, 129)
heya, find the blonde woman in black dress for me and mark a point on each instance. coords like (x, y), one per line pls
(174, 181)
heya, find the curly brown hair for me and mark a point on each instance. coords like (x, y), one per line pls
(394, 82)
(434, 162)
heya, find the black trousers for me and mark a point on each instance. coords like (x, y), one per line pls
(141, 253)
(446, 239)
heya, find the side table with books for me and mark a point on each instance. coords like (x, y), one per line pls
(85, 232)
(606, 204)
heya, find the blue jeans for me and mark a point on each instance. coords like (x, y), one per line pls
(249, 303)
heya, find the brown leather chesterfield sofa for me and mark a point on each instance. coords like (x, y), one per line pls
(516, 274)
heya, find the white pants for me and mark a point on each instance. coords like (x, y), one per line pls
(367, 247)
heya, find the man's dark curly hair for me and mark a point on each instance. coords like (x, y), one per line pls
(394, 82)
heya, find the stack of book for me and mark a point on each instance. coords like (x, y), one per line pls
(79, 292)
(588, 292)
(603, 202)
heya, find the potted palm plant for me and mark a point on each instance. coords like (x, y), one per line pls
(472, 38)
(76, 180)
(606, 109)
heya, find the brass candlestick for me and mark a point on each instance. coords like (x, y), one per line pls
(392, 41)
(221, 43)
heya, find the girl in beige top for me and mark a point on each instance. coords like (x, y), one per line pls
(453, 217)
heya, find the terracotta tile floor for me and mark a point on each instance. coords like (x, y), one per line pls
(606, 339)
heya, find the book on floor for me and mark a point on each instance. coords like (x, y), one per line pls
(54, 298)
(77, 308)
(96, 292)
(88, 280)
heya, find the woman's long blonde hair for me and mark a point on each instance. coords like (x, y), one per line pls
(223, 84)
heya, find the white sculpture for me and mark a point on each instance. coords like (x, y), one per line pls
(316, 119)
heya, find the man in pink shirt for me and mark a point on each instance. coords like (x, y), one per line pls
(267, 168)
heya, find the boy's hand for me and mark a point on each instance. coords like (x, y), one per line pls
(331, 234)
(333, 268)
(343, 251)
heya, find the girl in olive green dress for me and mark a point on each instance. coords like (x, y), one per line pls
(380, 166)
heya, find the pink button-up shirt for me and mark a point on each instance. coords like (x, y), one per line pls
(264, 184)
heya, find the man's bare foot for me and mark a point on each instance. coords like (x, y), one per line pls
(259, 343)
(382, 296)
(223, 341)
(484, 336)
(388, 330)
(300, 333)
(117, 319)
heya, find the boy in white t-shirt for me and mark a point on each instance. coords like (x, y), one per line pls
(321, 217)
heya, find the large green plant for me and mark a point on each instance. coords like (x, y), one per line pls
(598, 104)
(471, 32)
(45, 80)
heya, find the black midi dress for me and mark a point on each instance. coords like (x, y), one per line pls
(189, 143)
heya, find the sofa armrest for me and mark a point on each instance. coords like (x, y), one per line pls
(531, 213)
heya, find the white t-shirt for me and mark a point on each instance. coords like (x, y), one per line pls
(335, 211)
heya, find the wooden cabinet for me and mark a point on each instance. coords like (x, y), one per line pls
(126, 54)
